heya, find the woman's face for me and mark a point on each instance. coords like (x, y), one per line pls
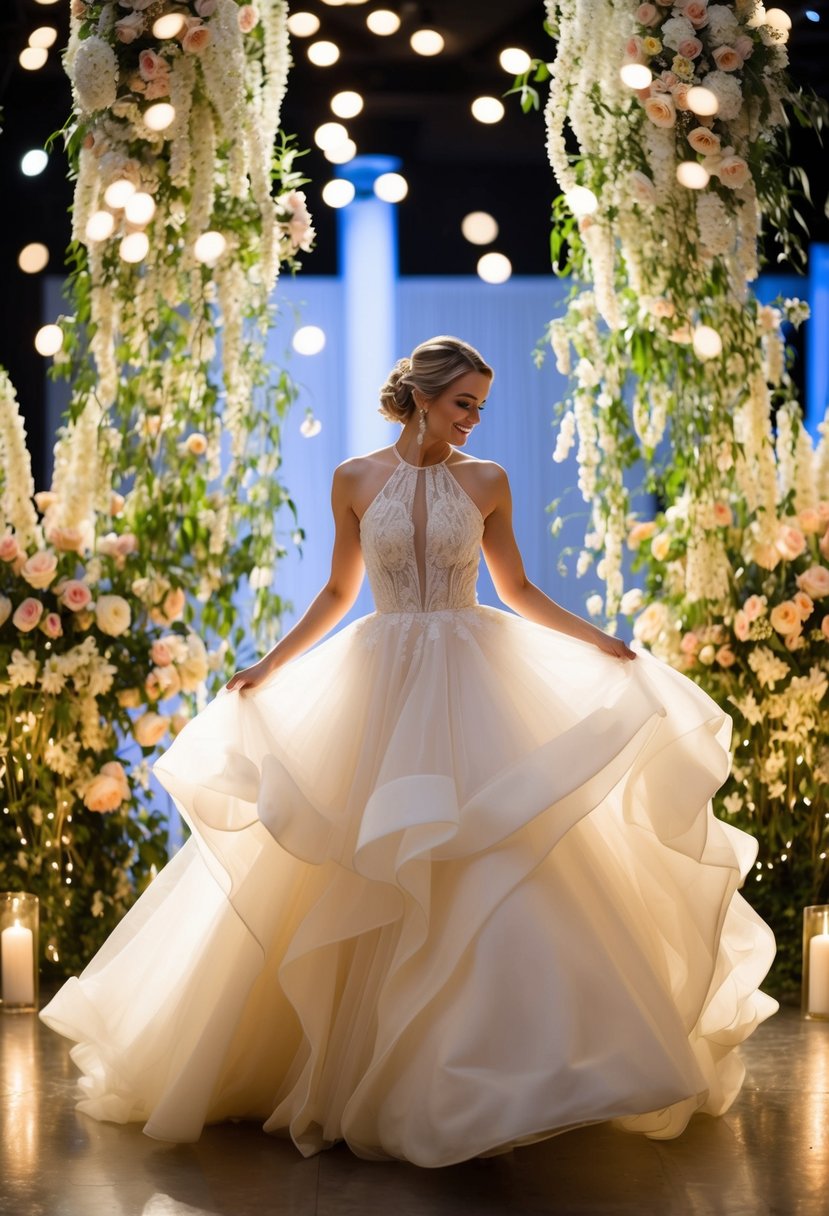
(454, 413)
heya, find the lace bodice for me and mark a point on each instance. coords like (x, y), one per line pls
(421, 541)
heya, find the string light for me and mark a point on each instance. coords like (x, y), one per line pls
(391, 187)
(322, 54)
(427, 42)
(159, 116)
(134, 247)
(383, 22)
(117, 192)
(43, 36)
(338, 192)
(100, 225)
(692, 175)
(209, 247)
(487, 109)
(48, 341)
(33, 258)
(479, 228)
(329, 134)
(347, 104)
(303, 25)
(494, 268)
(635, 75)
(308, 340)
(169, 25)
(515, 61)
(31, 58)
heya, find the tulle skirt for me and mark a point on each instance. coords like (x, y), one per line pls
(454, 884)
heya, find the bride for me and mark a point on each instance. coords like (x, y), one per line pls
(454, 881)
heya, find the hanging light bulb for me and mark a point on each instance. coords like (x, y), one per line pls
(322, 54)
(209, 247)
(383, 22)
(494, 268)
(341, 153)
(581, 201)
(303, 25)
(139, 208)
(487, 109)
(100, 225)
(691, 174)
(32, 57)
(134, 247)
(48, 340)
(117, 192)
(346, 104)
(427, 42)
(391, 187)
(308, 340)
(159, 116)
(702, 101)
(338, 192)
(43, 36)
(515, 61)
(33, 258)
(479, 228)
(707, 342)
(635, 75)
(169, 25)
(329, 134)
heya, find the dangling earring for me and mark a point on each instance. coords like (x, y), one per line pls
(421, 428)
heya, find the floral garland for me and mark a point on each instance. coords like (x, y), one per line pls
(678, 110)
(166, 482)
(668, 262)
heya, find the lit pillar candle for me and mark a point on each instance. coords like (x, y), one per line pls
(819, 974)
(18, 965)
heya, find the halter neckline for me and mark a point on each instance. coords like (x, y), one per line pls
(419, 467)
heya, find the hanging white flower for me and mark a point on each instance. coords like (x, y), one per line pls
(95, 75)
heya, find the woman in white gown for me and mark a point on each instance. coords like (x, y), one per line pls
(454, 881)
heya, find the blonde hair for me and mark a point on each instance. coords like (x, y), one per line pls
(429, 369)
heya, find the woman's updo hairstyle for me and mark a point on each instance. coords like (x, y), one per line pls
(430, 368)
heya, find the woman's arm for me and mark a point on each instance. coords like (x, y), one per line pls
(515, 589)
(334, 600)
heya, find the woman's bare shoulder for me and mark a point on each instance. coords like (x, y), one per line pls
(487, 472)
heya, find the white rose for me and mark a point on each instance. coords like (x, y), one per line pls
(112, 613)
(632, 601)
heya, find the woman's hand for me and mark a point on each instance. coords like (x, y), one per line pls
(615, 647)
(251, 677)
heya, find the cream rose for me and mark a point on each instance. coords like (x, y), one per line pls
(704, 141)
(196, 444)
(75, 595)
(169, 681)
(39, 570)
(649, 625)
(660, 546)
(810, 521)
(129, 28)
(642, 187)
(27, 614)
(733, 172)
(648, 14)
(173, 605)
(248, 18)
(814, 581)
(823, 545)
(594, 605)
(9, 548)
(707, 655)
(193, 670)
(160, 653)
(5, 609)
(785, 617)
(632, 601)
(727, 59)
(150, 728)
(661, 110)
(113, 615)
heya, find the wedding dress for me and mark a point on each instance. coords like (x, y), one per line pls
(454, 884)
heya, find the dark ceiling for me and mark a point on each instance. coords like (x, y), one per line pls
(416, 108)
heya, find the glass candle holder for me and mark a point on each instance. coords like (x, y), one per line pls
(815, 988)
(18, 952)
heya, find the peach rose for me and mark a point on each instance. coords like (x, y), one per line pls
(641, 531)
(116, 503)
(785, 617)
(51, 625)
(790, 542)
(727, 59)
(9, 548)
(723, 515)
(75, 595)
(112, 612)
(44, 499)
(160, 653)
(766, 556)
(152, 687)
(178, 723)
(635, 50)
(794, 641)
(67, 540)
(173, 605)
(248, 18)
(733, 172)
(755, 607)
(804, 603)
(824, 627)
(115, 770)
(679, 92)
(648, 14)
(27, 614)
(704, 141)
(169, 681)
(649, 624)
(689, 48)
(661, 110)
(150, 728)
(196, 38)
(814, 581)
(103, 793)
(196, 444)
(39, 570)
(810, 521)
(660, 546)
(5, 609)
(689, 643)
(159, 86)
(742, 625)
(823, 545)
(726, 657)
(130, 698)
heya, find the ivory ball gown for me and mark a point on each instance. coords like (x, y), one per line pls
(454, 884)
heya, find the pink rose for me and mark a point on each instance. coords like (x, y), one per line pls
(75, 595)
(689, 643)
(690, 48)
(150, 728)
(51, 625)
(814, 581)
(742, 625)
(160, 653)
(755, 607)
(794, 641)
(9, 548)
(744, 46)
(635, 50)
(727, 59)
(158, 87)
(661, 110)
(248, 18)
(723, 515)
(105, 792)
(40, 569)
(129, 28)
(679, 93)
(804, 604)
(790, 542)
(785, 618)
(149, 64)
(726, 657)
(28, 614)
(648, 14)
(697, 13)
(196, 38)
(704, 141)
(126, 544)
(810, 521)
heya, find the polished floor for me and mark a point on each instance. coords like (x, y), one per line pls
(769, 1156)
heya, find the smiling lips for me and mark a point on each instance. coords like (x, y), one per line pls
(464, 430)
